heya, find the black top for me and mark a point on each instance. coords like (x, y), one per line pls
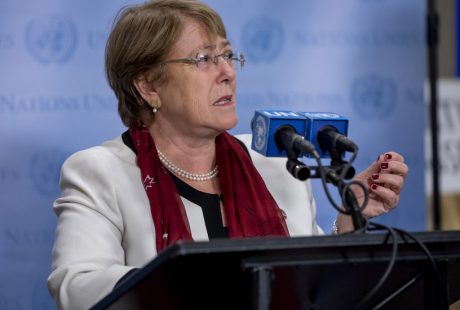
(210, 205)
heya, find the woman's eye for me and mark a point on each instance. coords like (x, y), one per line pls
(202, 58)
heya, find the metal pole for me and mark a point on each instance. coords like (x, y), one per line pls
(261, 289)
(432, 41)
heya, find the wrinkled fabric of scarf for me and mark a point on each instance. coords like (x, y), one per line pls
(250, 209)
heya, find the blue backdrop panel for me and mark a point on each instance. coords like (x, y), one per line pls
(363, 59)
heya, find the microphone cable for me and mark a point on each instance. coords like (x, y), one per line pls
(442, 281)
(391, 231)
(394, 253)
(342, 185)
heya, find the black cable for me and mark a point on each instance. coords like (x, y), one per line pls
(439, 276)
(442, 281)
(347, 165)
(342, 185)
(391, 263)
(363, 187)
(322, 173)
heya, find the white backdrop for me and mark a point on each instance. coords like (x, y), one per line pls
(449, 138)
(364, 59)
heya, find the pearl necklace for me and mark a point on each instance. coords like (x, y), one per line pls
(187, 175)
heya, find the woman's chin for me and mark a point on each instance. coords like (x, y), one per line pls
(230, 123)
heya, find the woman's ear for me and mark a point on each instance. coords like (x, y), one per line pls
(143, 86)
(147, 91)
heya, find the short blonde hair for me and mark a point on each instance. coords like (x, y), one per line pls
(141, 38)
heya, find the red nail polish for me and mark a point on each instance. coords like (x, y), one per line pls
(384, 165)
(375, 176)
(388, 156)
(374, 186)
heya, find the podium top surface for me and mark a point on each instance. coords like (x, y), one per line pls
(317, 242)
(440, 243)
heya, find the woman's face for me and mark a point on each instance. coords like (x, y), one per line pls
(198, 102)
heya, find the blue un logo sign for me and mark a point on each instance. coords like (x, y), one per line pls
(45, 169)
(51, 40)
(260, 130)
(262, 39)
(374, 96)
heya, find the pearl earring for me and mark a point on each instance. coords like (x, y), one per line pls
(155, 105)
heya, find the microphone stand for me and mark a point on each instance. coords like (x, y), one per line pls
(359, 222)
(350, 203)
(332, 173)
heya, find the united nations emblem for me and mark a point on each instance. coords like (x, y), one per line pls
(45, 168)
(260, 130)
(374, 96)
(51, 40)
(262, 39)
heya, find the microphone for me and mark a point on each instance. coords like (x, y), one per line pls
(328, 132)
(279, 133)
(286, 138)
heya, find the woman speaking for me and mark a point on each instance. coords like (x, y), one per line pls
(176, 174)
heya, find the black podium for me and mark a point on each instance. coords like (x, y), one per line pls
(321, 272)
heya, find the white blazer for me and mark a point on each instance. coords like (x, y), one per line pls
(105, 228)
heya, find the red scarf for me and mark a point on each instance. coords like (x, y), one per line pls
(250, 209)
